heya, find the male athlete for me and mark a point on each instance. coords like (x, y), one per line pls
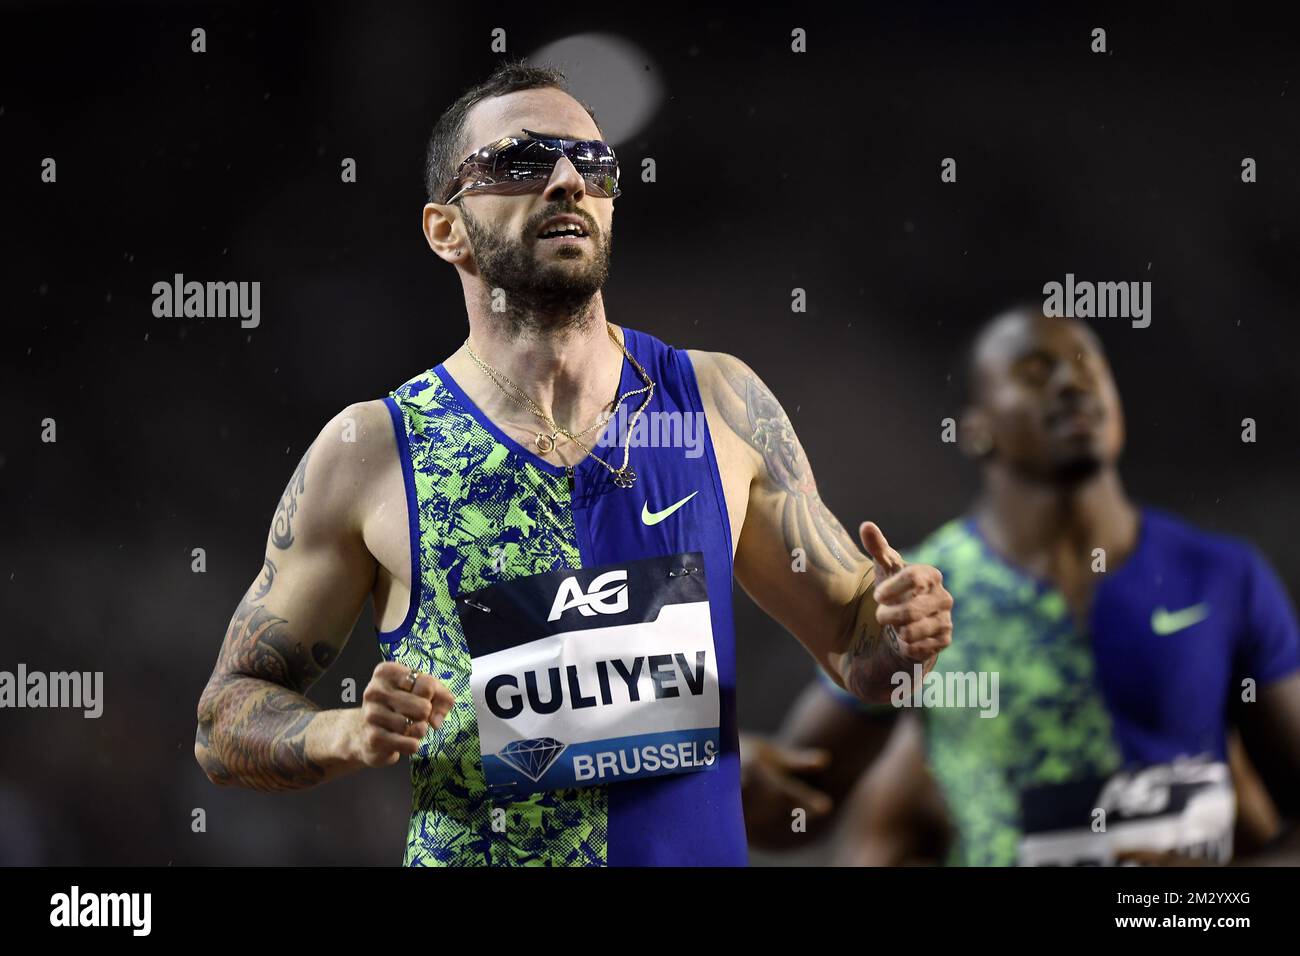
(1126, 642)
(553, 607)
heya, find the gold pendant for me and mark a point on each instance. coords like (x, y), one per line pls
(545, 442)
(625, 477)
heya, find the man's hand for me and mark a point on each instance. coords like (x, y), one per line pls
(912, 605)
(772, 789)
(906, 620)
(398, 707)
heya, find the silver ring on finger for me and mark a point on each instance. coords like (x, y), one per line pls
(412, 677)
(409, 721)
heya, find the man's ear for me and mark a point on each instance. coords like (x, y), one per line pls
(975, 433)
(444, 232)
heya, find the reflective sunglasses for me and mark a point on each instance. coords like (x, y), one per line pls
(513, 167)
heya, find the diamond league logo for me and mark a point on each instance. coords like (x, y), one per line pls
(532, 757)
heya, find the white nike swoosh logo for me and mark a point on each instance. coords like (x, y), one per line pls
(648, 517)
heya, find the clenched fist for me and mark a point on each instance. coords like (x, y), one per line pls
(397, 709)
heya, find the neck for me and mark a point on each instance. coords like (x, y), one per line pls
(571, 369)
(1034, 523)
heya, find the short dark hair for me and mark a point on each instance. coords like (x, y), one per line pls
(970, 382)
(446, 151)
(968, 375)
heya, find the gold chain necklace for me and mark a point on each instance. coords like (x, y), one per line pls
(545, 443)
(624, 477)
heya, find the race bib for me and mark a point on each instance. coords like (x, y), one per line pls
(1188, 806)
(584, 677)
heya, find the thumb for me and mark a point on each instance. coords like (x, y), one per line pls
(802, 759)
(873, 539)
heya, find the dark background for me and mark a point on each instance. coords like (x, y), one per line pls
(775, 170)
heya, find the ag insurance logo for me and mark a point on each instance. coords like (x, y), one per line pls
(605, 596)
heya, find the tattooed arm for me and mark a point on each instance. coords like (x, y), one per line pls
(256, 727)
(863, 617)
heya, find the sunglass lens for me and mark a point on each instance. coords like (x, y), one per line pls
(515, 167)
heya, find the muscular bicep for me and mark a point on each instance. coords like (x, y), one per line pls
(794, 558)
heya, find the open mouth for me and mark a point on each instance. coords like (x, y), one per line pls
(562, 231)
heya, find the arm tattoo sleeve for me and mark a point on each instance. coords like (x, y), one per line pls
(753, 413)
(253, 717)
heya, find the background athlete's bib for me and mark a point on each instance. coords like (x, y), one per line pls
(1188, 806)
(583, 677)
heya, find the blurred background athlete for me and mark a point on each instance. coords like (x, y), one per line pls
(1119, 689)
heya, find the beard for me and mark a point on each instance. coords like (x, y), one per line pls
(1060, 468)
(1076, 469)
(540, 297)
